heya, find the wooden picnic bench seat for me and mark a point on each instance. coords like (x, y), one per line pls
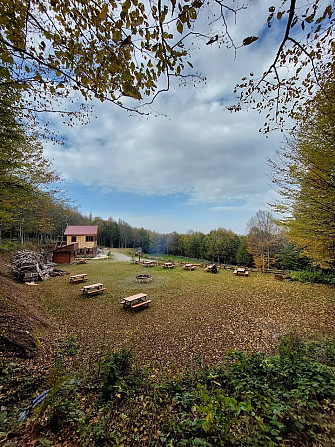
(95, 291)
(142, 303)
(74, 280)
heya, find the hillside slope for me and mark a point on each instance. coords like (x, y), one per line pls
(21, 320)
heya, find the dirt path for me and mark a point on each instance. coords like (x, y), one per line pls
(116, 256)
(119, 257)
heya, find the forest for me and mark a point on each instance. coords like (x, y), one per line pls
(216, 359)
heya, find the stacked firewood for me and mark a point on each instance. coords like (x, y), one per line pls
(29, 265)
(59, 272)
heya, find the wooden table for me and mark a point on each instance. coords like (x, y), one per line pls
(136, 302)
(241, 271)
(148, 264)
(167, 265)
(93, 289)
(188, 267)
(209, 268)
(78, 278)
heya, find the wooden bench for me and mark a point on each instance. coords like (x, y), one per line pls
(141, 304)
(95, 291)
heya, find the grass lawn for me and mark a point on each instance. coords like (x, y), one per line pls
(193, 314)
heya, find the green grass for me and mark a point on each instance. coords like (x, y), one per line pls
(193, 315)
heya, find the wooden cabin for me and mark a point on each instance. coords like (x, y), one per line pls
(65, 254)
(86, 236)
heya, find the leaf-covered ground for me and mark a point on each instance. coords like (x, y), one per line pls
(193, 315)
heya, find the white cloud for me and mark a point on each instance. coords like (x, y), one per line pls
(199, 149)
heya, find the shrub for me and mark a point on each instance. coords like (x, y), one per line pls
(259, 400)
(114, 373)
(318, 277)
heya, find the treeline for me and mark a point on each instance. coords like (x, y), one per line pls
(265, 246)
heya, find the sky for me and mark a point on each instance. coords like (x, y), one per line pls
(191, 164)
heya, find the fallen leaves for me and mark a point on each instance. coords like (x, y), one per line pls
(191, 317)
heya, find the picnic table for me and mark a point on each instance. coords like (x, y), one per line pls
(82, 261)
(241, 271)
(168, 265)
(148, 264)
(189, 267)
(93, 289)
(136, 302)
(211, 268)
(78, 278)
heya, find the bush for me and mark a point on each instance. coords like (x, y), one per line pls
(115, 371)
(7, 245)
(251, 399)
(258, 400)
(317, 277)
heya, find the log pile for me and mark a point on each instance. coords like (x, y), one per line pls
(59, 272)
(31, 266)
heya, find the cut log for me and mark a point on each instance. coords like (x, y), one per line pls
(29, 265)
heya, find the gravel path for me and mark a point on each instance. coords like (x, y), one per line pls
(120, 257)
(116, 256)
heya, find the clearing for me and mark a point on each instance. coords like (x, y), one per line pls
(193, 315)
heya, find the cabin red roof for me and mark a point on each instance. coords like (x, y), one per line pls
(81, 230)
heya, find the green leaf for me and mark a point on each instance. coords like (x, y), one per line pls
(180, 27)
(193, 13)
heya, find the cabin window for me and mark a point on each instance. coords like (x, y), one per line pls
(73, 238)
(89, 238)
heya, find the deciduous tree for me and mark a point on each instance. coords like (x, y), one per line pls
(120, 49)
(23, 167)
(304, 174)
(264, 239)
